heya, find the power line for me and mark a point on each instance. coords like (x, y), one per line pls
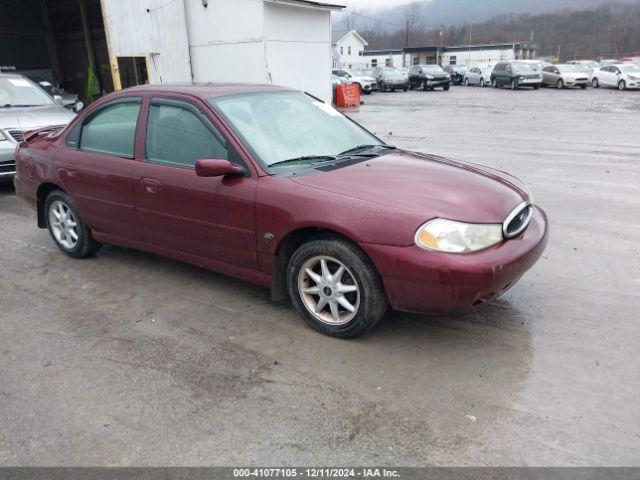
(375, 19)
(151, 10)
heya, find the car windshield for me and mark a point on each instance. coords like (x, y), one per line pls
(281, 126)
(389, 71)
(523, 68)
(22, 92)
(629, 68)
(432, 69)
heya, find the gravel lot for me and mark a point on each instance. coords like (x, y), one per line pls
(132, 359)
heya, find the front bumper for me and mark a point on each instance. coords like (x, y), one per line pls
(7, 161)
(397, 85)
(438, 83)
(421, 281)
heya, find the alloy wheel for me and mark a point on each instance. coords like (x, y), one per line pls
(560, 84)
(329, 290)
(482, 82)
(622, 85)
(64, 225)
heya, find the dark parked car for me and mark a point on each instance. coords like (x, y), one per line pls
(515, 75)
(278, 188)
(457, 72)
(428, 77)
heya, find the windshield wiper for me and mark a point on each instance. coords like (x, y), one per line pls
(355, 150)
(303, 158)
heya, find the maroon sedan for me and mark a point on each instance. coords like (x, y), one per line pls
(276, 187)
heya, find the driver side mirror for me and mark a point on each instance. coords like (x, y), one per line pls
(58, 99)
(217, 167)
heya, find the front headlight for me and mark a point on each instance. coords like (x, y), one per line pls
(456, 237)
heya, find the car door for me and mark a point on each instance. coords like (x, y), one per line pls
(96, 167)
(210, 218)
(474, 76)
(547, 76)
(506, 77)
(607, 76)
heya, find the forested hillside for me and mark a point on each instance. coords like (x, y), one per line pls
(606, 31)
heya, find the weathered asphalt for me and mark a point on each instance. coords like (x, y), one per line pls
(132, 359)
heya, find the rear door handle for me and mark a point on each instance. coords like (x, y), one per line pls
(151, 185)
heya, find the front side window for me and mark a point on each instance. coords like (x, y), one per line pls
(281, 126)
(112, 130)
(178, 136)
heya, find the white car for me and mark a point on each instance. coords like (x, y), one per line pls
(622, 76)
(479, 76)
(367, 84)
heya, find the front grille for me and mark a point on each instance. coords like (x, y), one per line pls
(518, 220)
(582, 79)
(16, 134)
(8, 166)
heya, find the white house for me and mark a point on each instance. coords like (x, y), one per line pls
(282, 42)
(348, 48)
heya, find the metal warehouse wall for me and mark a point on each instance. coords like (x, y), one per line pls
(22, 39)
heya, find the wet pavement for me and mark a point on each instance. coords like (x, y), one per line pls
(132, 359)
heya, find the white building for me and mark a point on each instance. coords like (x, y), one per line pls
(282, 42)
(384, 58)
(471, 54)
(348, 49)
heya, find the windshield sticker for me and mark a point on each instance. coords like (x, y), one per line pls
(326, 108)
(19, 82)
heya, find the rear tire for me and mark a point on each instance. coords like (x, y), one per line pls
(67, 228)
(466, 82)
(355, 302)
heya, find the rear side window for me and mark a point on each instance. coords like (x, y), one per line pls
(177, 136)
(112, 130)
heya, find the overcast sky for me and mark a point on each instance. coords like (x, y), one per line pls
(375, 3)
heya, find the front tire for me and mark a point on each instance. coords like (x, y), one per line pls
(482, 84)
(560, 84)
(67, 229)
(336, 288)
(466, 82)
(514, 85)
(446, 88)
(622, 85)
(595, 83)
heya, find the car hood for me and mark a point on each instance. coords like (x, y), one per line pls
(432, 186)
(29, 118)
(574, 76)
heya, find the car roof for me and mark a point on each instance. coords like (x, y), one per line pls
(208, 90)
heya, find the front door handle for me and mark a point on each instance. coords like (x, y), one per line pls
(151, 185)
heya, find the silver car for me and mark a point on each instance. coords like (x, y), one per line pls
(24, 106)
(479, 76)
(564, 76)
(392, 79)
